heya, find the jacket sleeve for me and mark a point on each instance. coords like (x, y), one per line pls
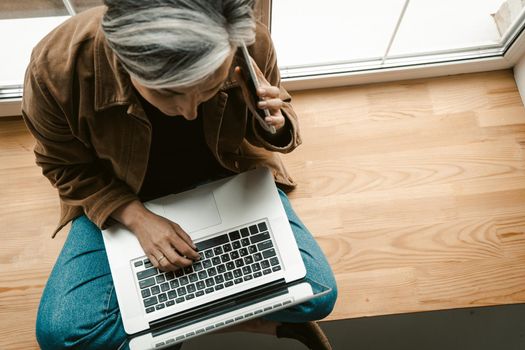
(70, 164)
(265, 57)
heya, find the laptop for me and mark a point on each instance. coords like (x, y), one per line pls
(250, 264)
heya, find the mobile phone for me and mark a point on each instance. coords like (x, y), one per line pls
(253, 84)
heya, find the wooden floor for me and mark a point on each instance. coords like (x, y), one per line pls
(415, 191)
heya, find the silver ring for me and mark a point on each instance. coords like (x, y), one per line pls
(162, 257)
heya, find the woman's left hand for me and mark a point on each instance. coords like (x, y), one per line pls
(268, 94)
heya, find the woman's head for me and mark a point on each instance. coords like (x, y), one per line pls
(176, 43)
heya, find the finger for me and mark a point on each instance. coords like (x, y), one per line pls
(159, 260)
(273, 104)
(174, 260)
(183, 243)
(276, 121)
(268, 91)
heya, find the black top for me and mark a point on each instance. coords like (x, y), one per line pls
(179, 157)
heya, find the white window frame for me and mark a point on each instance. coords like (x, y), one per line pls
(481, 60)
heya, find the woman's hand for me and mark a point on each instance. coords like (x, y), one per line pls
(165, 243)
(267, 93)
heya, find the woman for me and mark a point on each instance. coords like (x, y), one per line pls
(136, 100)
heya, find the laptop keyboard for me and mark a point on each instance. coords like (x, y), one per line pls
(227, 260)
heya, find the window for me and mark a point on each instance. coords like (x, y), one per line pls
(344, 37)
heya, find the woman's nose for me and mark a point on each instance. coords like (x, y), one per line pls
(189, 109)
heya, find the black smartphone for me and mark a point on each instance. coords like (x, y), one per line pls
(253, 84)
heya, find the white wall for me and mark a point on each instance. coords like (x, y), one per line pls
(519, 76)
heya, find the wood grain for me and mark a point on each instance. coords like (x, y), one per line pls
(415, 191)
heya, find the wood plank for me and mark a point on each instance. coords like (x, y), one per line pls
(415, 191)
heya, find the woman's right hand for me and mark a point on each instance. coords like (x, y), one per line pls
(158, 236)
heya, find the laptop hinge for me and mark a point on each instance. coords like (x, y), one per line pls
(215, 307)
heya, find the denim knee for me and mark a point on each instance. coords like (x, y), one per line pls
(49, 330)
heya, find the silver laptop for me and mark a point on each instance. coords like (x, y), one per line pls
(250, 264)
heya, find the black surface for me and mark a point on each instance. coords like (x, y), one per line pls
(498, 328)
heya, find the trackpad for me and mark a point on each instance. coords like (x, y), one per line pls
(193, 211)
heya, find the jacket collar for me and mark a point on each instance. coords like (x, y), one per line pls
(113, 84)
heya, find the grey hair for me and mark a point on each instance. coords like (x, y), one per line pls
(176, 43)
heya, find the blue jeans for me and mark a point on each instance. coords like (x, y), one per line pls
(79, 308)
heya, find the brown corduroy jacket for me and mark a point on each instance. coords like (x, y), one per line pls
(93, 137)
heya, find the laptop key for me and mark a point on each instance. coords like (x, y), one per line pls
(146, 273)
(267, 271)
(145, 293)
(191, 288)
(170, 275)
(165, 286)
(193, 277)
(172, 294)
(174, 284)
(221, 268)
(181, 291)
(230, 265)
(170, 303)
(228, 284)
(225, 258)
(252, 249)
(236, 245)
(197, 266)
(138, 263)
(219, 287)
(212, 271)
(163, 297)
(209, 290)
(257, 257)
(217, 250)
(160, 278)
(239, 263)
(150, 301)
(243, 252)
(262, 226)
(150, 309)
(274, 261)
(209, 282)
(245, 242)
(208, 254)
(227, 247)
(244, 232)
(254, 229)
(264, 245)
(206, 264)
(260, 237)
(200, 285)
(264, 264)
(276, 268)
(234, 235)
(179, 300)
(269, 253)
(188, 270)
(190, 296)
(228, 276)
(216, 260)
(257, 274)
(215, 241)
(237, 280)
(237, 273)
(184, 280)
(248, 260)
(199, 293)
(155, 290)
(247, 278)
(219, 279)
(203, 274)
